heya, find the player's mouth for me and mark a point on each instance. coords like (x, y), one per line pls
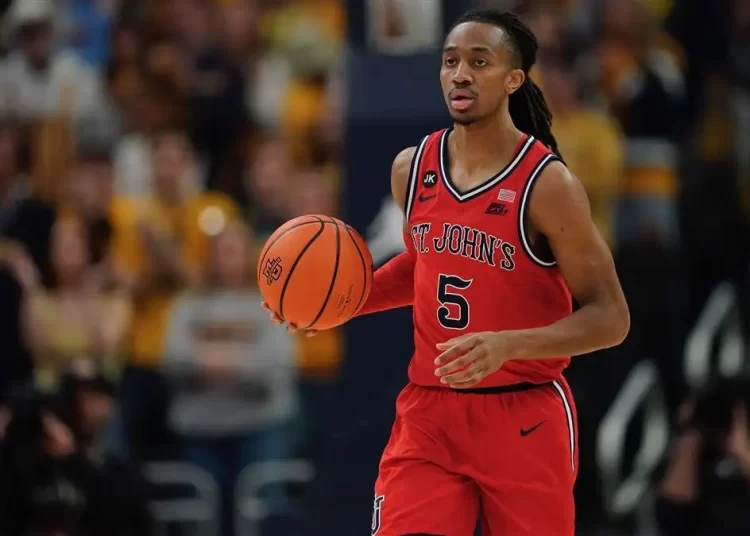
(461, 99)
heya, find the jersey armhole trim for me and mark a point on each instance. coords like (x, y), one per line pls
(524, 210)
(411, 185)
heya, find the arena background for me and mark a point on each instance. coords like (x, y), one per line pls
(144, 143)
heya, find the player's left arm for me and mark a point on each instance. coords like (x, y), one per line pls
(559, 210)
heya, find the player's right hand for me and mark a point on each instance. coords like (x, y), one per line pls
(290, 327)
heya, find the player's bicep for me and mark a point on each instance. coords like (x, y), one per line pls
(400, 176)
(399, 184)
(559, 210)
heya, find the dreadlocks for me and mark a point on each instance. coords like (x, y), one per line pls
(526, 105)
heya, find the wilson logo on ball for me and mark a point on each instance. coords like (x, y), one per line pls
(272, 271)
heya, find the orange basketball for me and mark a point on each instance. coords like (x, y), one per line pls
(315, 272)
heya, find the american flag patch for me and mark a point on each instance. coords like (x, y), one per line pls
(508, 196)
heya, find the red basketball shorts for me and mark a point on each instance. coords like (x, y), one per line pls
(508, 459)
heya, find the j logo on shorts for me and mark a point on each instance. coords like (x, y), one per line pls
(376, 514)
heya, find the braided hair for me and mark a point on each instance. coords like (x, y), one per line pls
(527, 107)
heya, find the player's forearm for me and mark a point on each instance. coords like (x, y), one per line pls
(592, 327)
(392, 285)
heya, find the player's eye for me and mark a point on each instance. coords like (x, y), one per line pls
(479, 62)
(450, 62)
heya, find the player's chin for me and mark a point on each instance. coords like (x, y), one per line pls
(462, 118)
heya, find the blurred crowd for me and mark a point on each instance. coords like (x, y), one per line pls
(147, 149)
(650, 102)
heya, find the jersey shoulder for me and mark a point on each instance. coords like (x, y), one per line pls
(558, 191)
(406, 167)
(400, 175)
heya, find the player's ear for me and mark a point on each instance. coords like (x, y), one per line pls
(514, 80)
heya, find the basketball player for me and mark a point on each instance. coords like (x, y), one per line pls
(499, 237)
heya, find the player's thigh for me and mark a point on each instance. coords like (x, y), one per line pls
(531, 511)
(419, 498)
(531, 490)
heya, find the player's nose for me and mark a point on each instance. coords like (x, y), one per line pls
(462, 75)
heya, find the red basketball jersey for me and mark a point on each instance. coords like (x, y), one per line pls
(476, 268)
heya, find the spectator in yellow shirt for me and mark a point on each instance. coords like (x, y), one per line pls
(309, 34)
(589, 140)
(158, 248)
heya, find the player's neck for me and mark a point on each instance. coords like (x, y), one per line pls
(484, 139)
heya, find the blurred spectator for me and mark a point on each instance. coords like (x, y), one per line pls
(90, 23)
(644, 87)
(233, 372)
(309, 34)
(25, 225)
(706, 488)
(546, 19)
(268, 186)
(213, 81)
(159, 246)
(89, 190)
(238, 28)
(150, 106)
(268, 74)
(124, 72)
(313, 195)
(56, 476)
(38, 80)
(589, 140)
(74, 319)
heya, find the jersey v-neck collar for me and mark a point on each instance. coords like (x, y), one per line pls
(524, 145)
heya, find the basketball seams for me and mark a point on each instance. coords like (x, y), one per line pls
(335, 270)
(267, 246)
(289, 284)
(297, 260)
(364, 268)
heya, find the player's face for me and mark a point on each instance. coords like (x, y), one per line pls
(477, 72)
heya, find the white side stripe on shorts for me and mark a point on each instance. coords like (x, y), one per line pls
(571, 424)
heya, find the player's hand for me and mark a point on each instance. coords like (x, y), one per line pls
(468, 359)
(290, 327)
